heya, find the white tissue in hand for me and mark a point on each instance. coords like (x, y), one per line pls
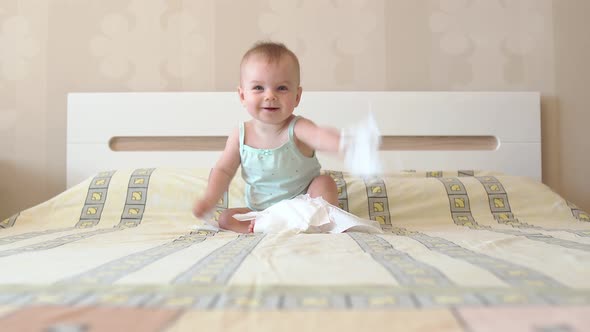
(308, 215)
(209, 218)
(360, 145)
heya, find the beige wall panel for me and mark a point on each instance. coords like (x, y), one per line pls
(408, 42)
(493, 45)
(572, 51)
(23, 62)
(340, 44)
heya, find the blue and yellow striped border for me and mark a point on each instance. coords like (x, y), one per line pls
(95, 200)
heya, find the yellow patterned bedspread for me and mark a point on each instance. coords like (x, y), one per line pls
(462, 251)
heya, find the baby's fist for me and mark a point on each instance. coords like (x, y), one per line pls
(202, 207)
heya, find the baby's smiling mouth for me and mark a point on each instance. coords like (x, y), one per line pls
(271, 109)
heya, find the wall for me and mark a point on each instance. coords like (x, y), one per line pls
(572, 79)
(50, 48)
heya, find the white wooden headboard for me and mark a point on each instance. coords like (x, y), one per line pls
(422, 130)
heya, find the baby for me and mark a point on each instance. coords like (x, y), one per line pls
(276, 149)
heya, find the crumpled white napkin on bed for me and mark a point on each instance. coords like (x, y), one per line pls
(304, 214)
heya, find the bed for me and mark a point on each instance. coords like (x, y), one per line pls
(472, 240)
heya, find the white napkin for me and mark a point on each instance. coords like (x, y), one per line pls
(304, 214)
(360, 145)
(209, 218)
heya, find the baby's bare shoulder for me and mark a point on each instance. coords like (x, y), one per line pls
(304, 124)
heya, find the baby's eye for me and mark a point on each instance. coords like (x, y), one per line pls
(257, 87)
(283, 88)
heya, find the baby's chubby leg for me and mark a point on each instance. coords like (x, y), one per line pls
(324, 186)
(227, 221)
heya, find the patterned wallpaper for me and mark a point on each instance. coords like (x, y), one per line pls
(18, 49)
(488, 44)
(50, 48)
(148, 44)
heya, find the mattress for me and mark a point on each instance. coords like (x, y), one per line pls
(461, 250)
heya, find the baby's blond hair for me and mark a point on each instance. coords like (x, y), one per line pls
(273, 52)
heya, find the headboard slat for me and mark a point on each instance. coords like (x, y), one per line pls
(389, 143)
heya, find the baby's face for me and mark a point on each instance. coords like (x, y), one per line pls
(269, 91)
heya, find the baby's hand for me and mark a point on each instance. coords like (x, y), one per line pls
(251, 226)
(202, 207)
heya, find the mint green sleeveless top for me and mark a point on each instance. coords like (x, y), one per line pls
(273, 175)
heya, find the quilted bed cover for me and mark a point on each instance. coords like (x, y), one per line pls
(461, 251)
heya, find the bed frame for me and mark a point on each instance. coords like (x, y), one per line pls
(421, 130)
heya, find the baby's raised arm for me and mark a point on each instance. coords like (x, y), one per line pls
(318, 138)
(221, 175)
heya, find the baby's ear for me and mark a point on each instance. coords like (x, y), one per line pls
(299, 91)
(241, 94)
